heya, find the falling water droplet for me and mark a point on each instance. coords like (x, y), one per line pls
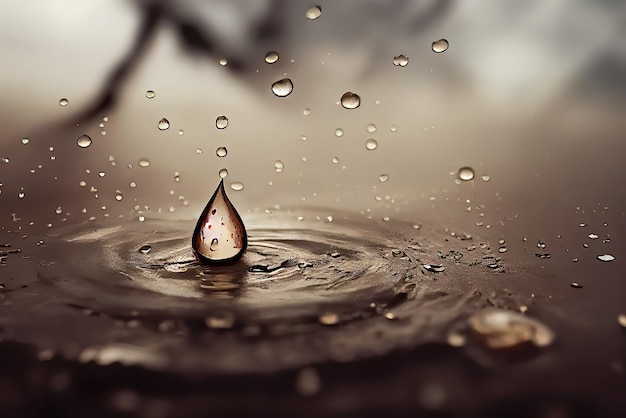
(313, 12)
(221, 122)
(440, 46)
(383, 178)
(237, 186)
(400, 60)
(63, 102)
(150, 94)
(371, 144)
(84, 141)
(271, 57)
(350, 100)
(144, 162)
(466, 173)
(282, 88)
(220, 236)
(221, 152)
(164, 124)
(278, 166)
(223, 173)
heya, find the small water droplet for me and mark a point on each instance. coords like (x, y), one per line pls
(371, 128)
(25, 141)
(371, 144)
(606, 257)
(63, 102)
(440, 46)
(221, 152)
(223, 320)
(145, 249)
(335, 160)
(437, 268)
(198, 150)
(278, 166)
(383, 178)
(576, 285)
(502, 329)
(338, 132)
(621, 320)
(144, 162)
(271, 57)
(150, 94)
(237, 186)
(223, 173)
(593, 236)
(219, 224)
(350, 100)
(466, 173)
(328, 318)
(393, 128)
(400, 60)
(164, 124)
(313, 12)
(181, 132)
(282, 88)
(486, 178)
(221, 122)
(223, 62)
(502, 249)
(84, 141)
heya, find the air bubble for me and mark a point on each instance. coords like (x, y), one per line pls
(371, 144)
(466, 173)
(400, 60)
(84, 141)
(278, 166)
(313, 12)
(271, 57)
(63, 102)
(164, 124)
(440, 46)
(221, 122)
(350, 100)
(282, 88)
(144, 162)
(221, 152)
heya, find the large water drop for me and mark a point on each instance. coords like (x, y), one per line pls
(440, 46)
(63, 102)
(221, 152)
(282, 88)
(313, 12)
(400, 60)
(466, 173)
(371, 144)
(221, 122)
(350, 100)
(164, 124)
(271, 57)
(220, 236)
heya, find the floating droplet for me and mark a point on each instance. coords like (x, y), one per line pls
(371, 144)
(220, 236)
(221, 122)
(606, 257)
(25, 141)
(221, 152)
(440, 46)
(371, 128)
(237, 186)
(338, 132)
(150, 94)
(313, 12)
(271, 57)
(278, 166)
(164, 124)
(144, 162)
(400, 60)
(282, 88)
(63, 102)
(84, 141)
(145, 249)
(383, 178)
(350, 100)
(223, 173)
(466, 173)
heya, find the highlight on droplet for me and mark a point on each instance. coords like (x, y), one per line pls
(220, 236)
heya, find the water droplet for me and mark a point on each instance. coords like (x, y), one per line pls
(393, 128)
(221, 122)
(455, 339)
(606, 257)
(164, 124)
(350, 100)
(383, 178)
(63, 102)
(237, 186)
(486, 178)
(306, 112)
(621, 319)
(440, 46)
(198, 150)
(145, 249)
(84, 141)
(222, 320)
(150, 94)
(335, 160)
(338, 132)
(223, 62)
(144, 162)
(502, 329)
(313, 12)
(221, 152)
(371, 144)
(271, 57)
(437, 268)
(502, 249)
(328, 318)
(593, 236)
(25, 141)
(466, 173)
(223, 173)
(576, 285)
(400, 60)
(371, 128)
(181, 132)
(278, 166)
(220, 236)
(282, 88)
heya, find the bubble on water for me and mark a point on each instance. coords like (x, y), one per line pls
(278, 166)
(350, 100)
(371, 144)
(143, 162)
(400, 60)
(271, 57)
(84, 141)
(220, 236)
(328, 318)
(466, 173)
(63, 102)
(440, 46)
(338, 132)
(150, 94)
(282, 88)
(606, 257)
(237, 186)
(223, 173)
(313, 12)
(371, 128)
(145, 249)
(164, 124)
(25, 141)
(221, 122)
(221, 152)
(383, 178)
